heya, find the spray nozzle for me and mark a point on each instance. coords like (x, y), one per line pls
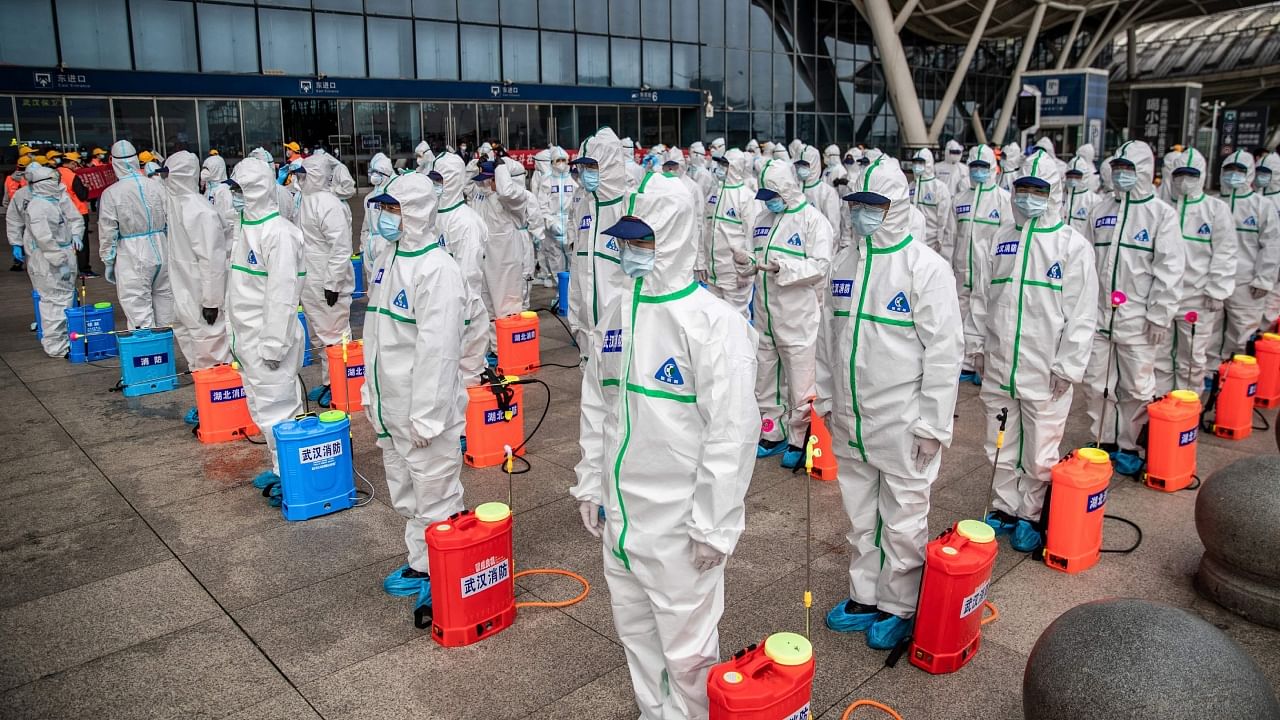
(509, 463)
(1003, 417)
(811, 451)
(1118, 298)
(1192, 317)
(346, 339)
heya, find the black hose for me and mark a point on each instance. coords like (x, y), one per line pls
(552, 312)
(1132, 524)
(1266, 424)
(546, 406)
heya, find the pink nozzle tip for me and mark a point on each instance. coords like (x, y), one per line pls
(74, 335)
(1193, 316)
(1118, 298)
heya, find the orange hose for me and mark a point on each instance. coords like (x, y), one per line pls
(586, 588)
(848, 713)
(994, 616)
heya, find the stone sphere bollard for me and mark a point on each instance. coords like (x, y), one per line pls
(1140, 660)
(1238, 520)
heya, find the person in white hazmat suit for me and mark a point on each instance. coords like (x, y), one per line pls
(287, 200)
(1046, 143)
(952, 171)
(674, 164)
(264, 288)
(933, 197)
(833, 168)
(1266, 180)
(416, 400)
(499, 198)
(819, 194)
(533, 228)
(1030, 323)
(422, 158)
(213, 177)
(463, 233)
(340, 181)
(1088, 167)
(1167, 164)
(701, 171)
(1078, 199)
(51, 233)
(1210, 245)
(980, 212)
(131, 241)
(793, 247)
(555, 196)
(635, 171)
(730, 217)
(198, 255)
(1138, 252)
(1258, 257)
(326, 292)
(1010, 164)
(371, 243)
(594, 276)
(890, 350)
(541, 168)
(667, 428)
(718, 148)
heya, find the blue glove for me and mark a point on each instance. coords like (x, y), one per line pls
(18, 255)
(110, 273)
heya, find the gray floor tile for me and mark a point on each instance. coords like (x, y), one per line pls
(213, 519)
(288, 705)
(608, 697)
(43, 513)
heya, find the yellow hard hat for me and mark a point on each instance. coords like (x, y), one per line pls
(99, 151)
(293, 146)
(213, 152)
(53, 154)
(39, 159)
(24, 161)
(145, 156)
(72, 156)
(25, 150)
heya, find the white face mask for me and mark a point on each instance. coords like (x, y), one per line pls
(560, 167)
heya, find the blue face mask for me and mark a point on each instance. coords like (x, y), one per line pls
(980, 176)
(866, 220)
(1125, 180)
(237, 202)
(803, 173)
(439, 189)
(776, 205)
(590, 180)
(1262, 180)
(720, 172)
(637, 262)
(1031, 205)
(1233, 179)
(389, 226)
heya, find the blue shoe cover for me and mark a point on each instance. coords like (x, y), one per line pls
(273, 495)
(764, 452)
(265, 480)
(463, 443)
(792, 458)
(1000, 526)
(326, 397)
(400, 586)
(1026, 538)
(887, 633)
(192, 417)
(971, 377)
(314, 393)
(849, 622)
(491, 360)
(1126, 463)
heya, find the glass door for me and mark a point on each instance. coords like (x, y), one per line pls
(89, 120)
(41, 122)
(371, 130)
(564, 132)
(435, 126)
(406, 133)
(489, 123)
(464, 128)
(220, 129)
(541, 130)
(263, 126)
(516, 118)
(136, 122)
(176, 126)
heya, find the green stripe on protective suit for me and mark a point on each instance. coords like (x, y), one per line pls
(595, 277)
(1257, 260)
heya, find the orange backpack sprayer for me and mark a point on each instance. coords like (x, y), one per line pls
(518, 342)
(1237, 385)
(1078, 497)
(494, 421)
(953, 593)
(220, 401)
(824, 460)
(1267, 350)
(771, 681)
(1171, 441)
(346, 374)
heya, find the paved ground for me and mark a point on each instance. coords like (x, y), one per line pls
(141, 575)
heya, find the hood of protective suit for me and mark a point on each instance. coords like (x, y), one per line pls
(184, 174)
(417, 197)
(213, 169)
(542, 161)
(831, 155)
(794, 148)
(557, 153)
(1272, 163)
(781, 153)
(780, 177)
(319, 173)
(1139, 153)
(605, 148)
(697, 149)
(124, 159)
(1104, 174)
(985, 154)
(453, 175)
(1193, 159)
(952, 145)
(753, 147)
(380, 163)
(257, 184)
(1245, 158)
(886, 178)
(925, 155)
(738, 168)
(666, 206)
(717, 147)
(43, 180)
(1044, 166)
(422, 155)
(811, 155)
(1011, 156)
(1081, 166)
(262, 154)
(1046, 144)
(1087, 152)
(675, 155)
(629, 145)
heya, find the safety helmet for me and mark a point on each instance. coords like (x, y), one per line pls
(52, 154)
(24, 161)
(213, 151)
(145, 157)
(25, 150)
(293, 146)
(72, 156)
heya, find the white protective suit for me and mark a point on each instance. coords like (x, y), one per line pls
(326, 234)
(1210, 246)
(933, 197)
(197, 265)
(1046, 143)
(213, 175)
(595, 275)
(541, 168)
(730, 215)
(1257, 260)
(1089, 157)
(890, 351)
(634, 171)
(505, 213)
(555, 196)
(980, 212)
(821, 195)
(1138, 251)
(1167, 164)
(668, 431)
(699, 171)
(340, 181)
(952, 171)
(1272, 193)
(264, 288)
(1032, 318)
(415, 399)
(1010, 164)
(788, 301)
(52, 228)
(131, 242)
(833, 166)
(681, 173)
(1078, 203)
(422, 157)
(463, 233)
(371, 242)
(717, 148)
(533, 228)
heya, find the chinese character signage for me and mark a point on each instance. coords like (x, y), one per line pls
(1164, 115)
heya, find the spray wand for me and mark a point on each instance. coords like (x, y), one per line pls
(1192, 317)
(810, 452)
(1117, 299)
(1003, 418)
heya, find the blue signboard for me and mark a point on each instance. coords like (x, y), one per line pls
(117, 82)
(1072, 98)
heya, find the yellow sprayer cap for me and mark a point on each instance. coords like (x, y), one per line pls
(332, 416)
(1271, 336)
(101, 306)
(528, 314)
(976, 531)
(787, 648)
(493, 512)
(1093, 455)
(1186, 396)
(1244, 359)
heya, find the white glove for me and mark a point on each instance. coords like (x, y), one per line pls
(418, 440)
(590, 513)
(110, 273)
(770, 266)
(923, 450)
(557, 229)
(1257, 293)
(980, 365)
(705, 557)
(1212, 304)
(271, 364)
(79, 243)
(1156, 334)
(1058, 387)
